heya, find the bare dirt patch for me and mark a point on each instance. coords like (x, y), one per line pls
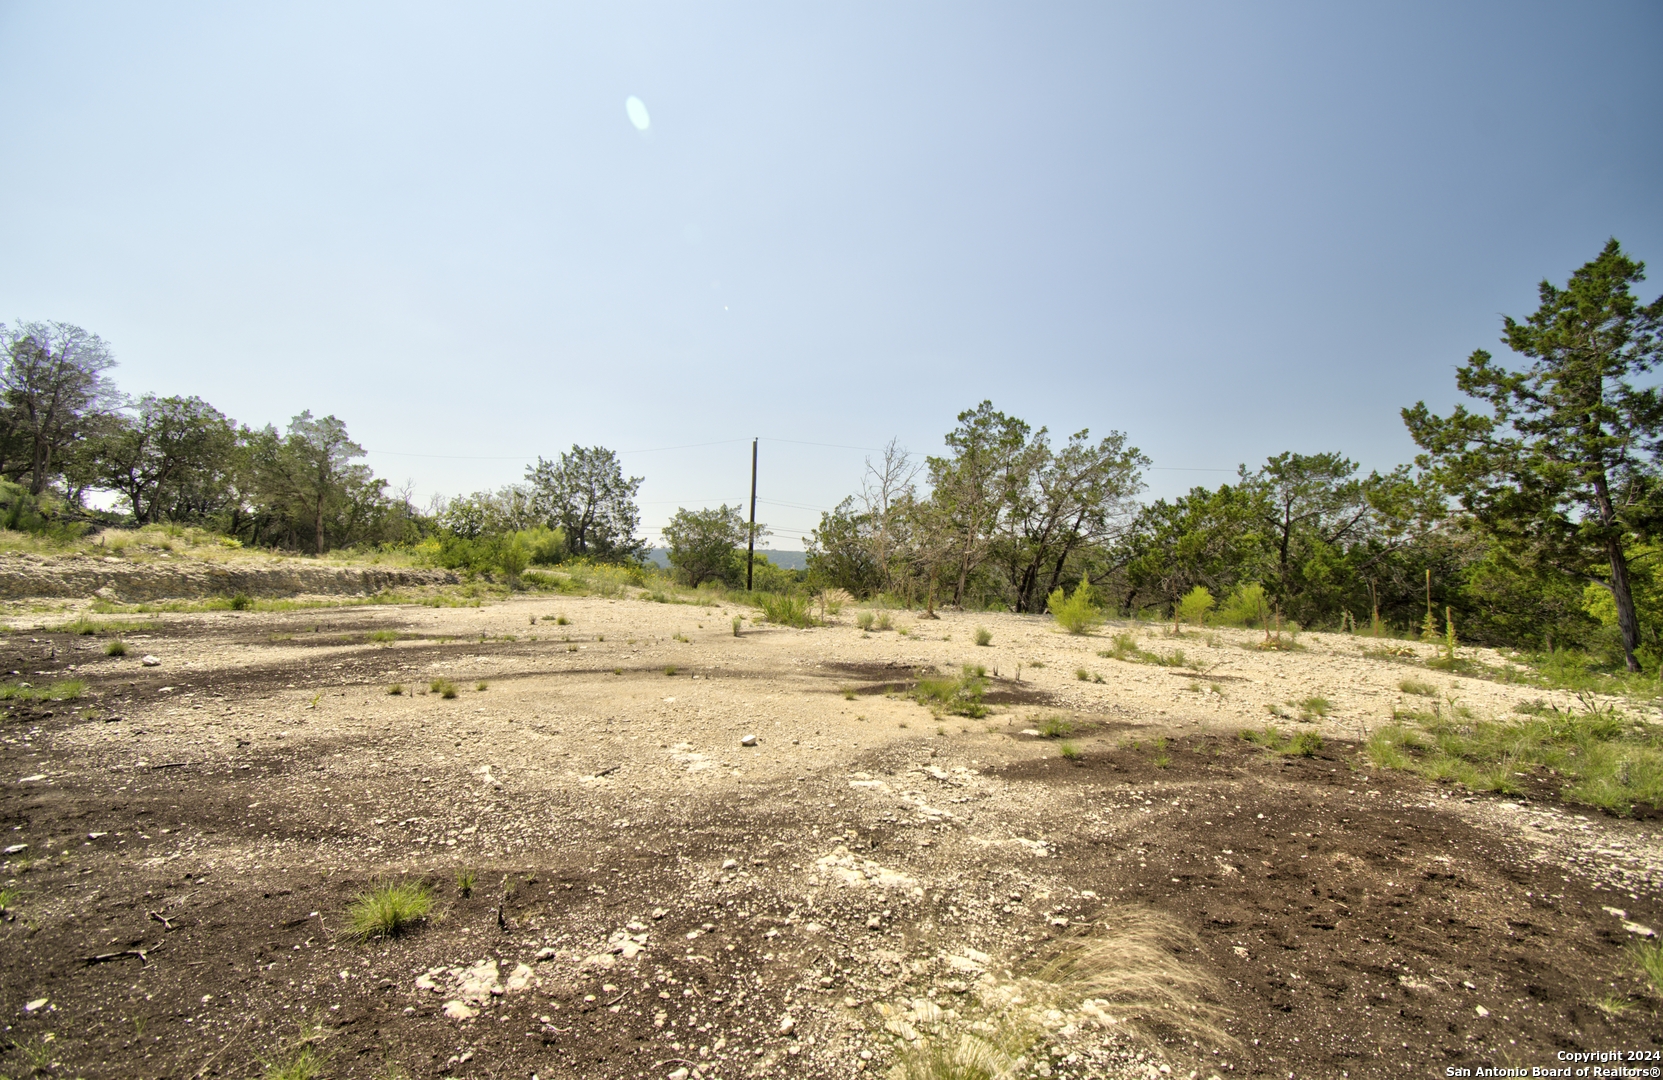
(650, 895)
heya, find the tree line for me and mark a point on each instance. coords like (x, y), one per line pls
(1530, 515)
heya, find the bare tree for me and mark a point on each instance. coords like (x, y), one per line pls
(53, 380)
(886, 492)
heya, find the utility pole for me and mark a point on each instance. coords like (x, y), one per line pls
(750, 545)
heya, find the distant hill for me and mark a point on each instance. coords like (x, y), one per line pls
(789, 560)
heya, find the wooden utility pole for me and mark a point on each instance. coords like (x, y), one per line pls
(750, 545)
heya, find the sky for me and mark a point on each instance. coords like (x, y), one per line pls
(1227, 230)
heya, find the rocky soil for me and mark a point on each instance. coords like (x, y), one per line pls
(653, 898)
(132, 581)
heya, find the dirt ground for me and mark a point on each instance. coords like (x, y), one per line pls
(654, 898)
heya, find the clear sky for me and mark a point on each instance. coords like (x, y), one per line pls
(1227, 230)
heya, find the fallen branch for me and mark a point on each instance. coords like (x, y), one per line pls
(159, 917)
(171, 765)
(106, 957)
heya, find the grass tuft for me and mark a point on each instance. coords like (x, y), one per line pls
(1418, 687)
(116, 648)
(465, 881)
(387, 910)
(443, 687)
(1055, 727)
(960, 697)
(396, 689)
(1069, 751)
(66, 690)
(984, 636)
(482, 686)
(1648, 956)
(1312, 707)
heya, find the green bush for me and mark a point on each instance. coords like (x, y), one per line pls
(864, 620)
(961, 696)
(443, 687)
(786, 609)
(1074, 613)
(984, 636)
(1246, 605)
(1195, 605)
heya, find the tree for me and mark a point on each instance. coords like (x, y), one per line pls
(968, 487)
(1058, 503)
(708, 545)
(1563, 469)
(309, 473)
(586, 494)
(52, 376)
(162, 452)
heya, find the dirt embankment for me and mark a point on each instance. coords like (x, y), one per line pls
(81, 577)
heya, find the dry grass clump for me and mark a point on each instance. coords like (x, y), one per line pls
(1125, 974)
(443, 687)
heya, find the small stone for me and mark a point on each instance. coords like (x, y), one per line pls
(1481, 1010)
(677, 1074)
(547, 952)
(38, 1003)
(1469, 985)
(151, 661)
(35, 779)
(659, 913)
(788, 1024)
(15, 848)
(748, 740)
(730, 864)
(459, 1010)
(1639, 928)
(874, 923)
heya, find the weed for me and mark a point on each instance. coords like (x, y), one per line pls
(1055, 727)
(1598, 758)
(1069, 751)
(443, 687)
(736, 621)
(670, 670)
(1162, 761)
(848, 693)
(1648, 955)
(67, 690)
(482, 686)
(1418, 688)
(1074, 613)
(1082, 674)
(1612, 1005)
(396, 689)
(681, 637)
(984, 636)
(304, 1062)
(786, 609)
(382, 636)
(961, 696)
(862, 620)
(940, 729)
(1312, 707)
(241, 602)
(8, 897)
(1304, 744)
(387, 910)
(883, 622)
(116, 648)
(465, 880)
(561, 620)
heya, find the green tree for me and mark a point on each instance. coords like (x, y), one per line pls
(1562, 468)
(165, 449)
(52, 375)
(709, 545)
(969, 488)
(586, 495)
(309, 474)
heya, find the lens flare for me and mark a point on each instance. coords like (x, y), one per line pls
(637, 110)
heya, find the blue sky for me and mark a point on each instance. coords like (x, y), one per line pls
(1227, 230)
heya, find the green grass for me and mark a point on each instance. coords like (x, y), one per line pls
(1418, 688)
(848, 693)
(305, 1062)
(443, 687)
(862, 619)
(1595, 757)
(1648, 957)
(1126, 648)
(8, 897)
(960, 697)
(984, 636)
(382, 636)
(116, 648)
(1312, 707)
(89, 627)
(786, 609)
(1069, 751)
(465, 881)
(1302, 744)
(482, 686)
(1055, 727)
(387, 910)
(396, 689)
(67, 690)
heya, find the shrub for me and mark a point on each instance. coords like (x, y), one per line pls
(1074, 613)
(1305, 744)
(443, 687)
(1195, 605)
(883, 622)
(482, 686)
(1082, 674)
(1245, 606)
(864, 620)
(396, 689)
(241, 602)
(737, 619)
(984, 636)
(786, 609)
(387, 910)
(116, 648)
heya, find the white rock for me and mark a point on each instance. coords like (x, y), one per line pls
(547, 952)
(788, 1024)
(730, 864)
(748, 740)
(38, 1003)
(14, 849)
(1481, 1010)
(677, 1074)
(659, 913)
(1639, 928)
(35, 779)
(599, 960)
(151, 661)
(520, 978)
(458, 1010)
